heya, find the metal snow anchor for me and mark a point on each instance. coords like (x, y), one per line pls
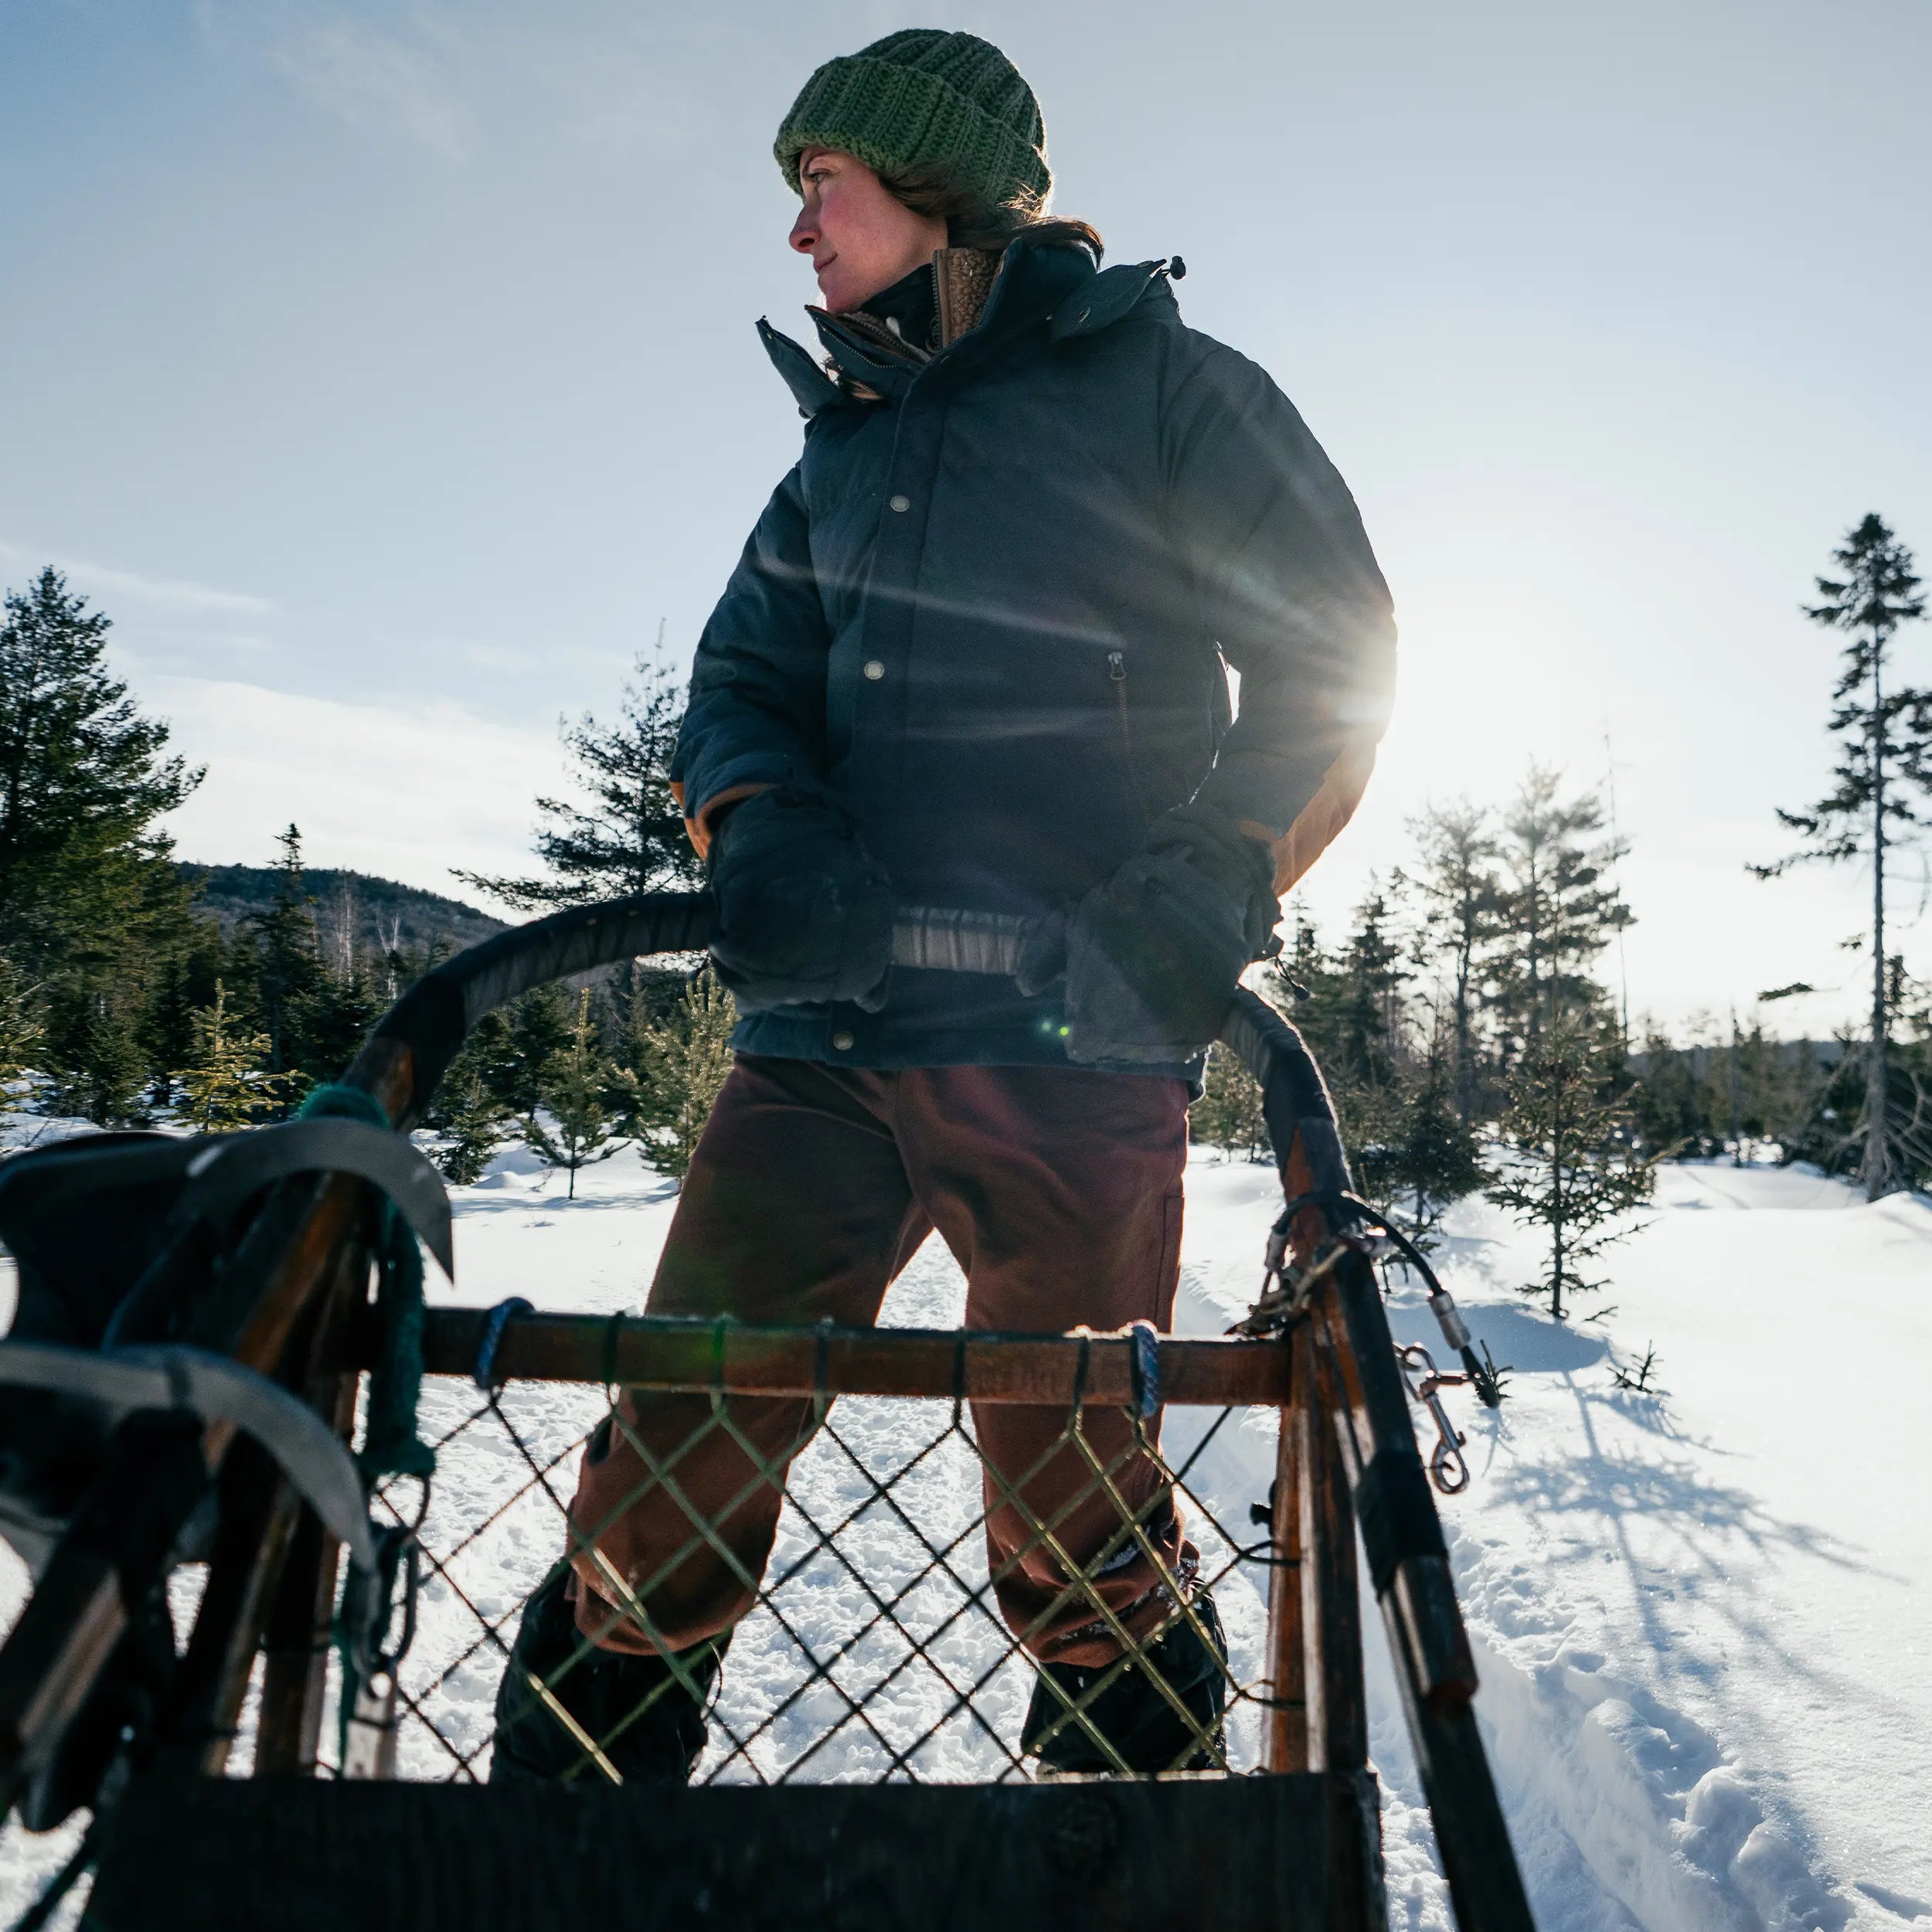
(1448, 1467)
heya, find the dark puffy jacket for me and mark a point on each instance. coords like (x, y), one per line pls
(991, 605)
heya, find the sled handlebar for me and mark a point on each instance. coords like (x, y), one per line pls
(414, 1043)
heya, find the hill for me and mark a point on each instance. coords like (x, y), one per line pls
(354, 911)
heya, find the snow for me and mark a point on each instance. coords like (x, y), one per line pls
(1699, 1613)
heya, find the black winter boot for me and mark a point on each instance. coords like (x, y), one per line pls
(632, 1708)
(1143, 1727)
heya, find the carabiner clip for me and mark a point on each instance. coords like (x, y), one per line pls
(1448, 1467)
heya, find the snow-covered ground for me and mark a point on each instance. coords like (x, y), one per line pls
(1699, 1613)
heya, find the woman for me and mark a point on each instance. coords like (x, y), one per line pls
(974, 654)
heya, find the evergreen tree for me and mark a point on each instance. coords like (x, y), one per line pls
(183, 983)
(225, 1083)
(335, 1020)
(22, 1032)
(509, 1049)
(1884, 769)
(1374, 974)
(103, 1073)
(91, 906)
(679, 1061)
(1574, 1173)
(288, 972)
(1461, 896)
(573, 1089)
(1559, 906)
(631, 838)
(1412, 1154)
(1669, 1103)
(1228, 1115)
(1428, 1158)
(1348, 1007)
(83, 776)
(473, 1122)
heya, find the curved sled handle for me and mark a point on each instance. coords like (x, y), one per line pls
(225, 1172)
(215, 1388)
(432, 1018)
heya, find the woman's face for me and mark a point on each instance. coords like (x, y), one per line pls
(859, 238)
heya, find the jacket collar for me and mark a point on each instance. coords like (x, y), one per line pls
(1057, 286)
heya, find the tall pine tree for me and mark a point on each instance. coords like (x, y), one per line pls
(289, 972)
(1461, 896)
(91, 906)
(1883, 773)
(630, 839)
(83, 776)
(1558, 908)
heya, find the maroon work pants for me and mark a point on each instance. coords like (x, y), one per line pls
(1058, 1190)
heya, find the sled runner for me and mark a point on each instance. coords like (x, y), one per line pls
(182, 1384)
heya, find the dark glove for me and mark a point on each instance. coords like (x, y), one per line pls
(804, 912)
(1152, 956)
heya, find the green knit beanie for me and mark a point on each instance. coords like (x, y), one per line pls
(920, 98)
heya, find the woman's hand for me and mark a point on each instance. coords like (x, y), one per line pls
(1153, 956)
(804, 912)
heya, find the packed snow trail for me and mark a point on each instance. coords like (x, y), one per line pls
(1705, 1708)
(1706, 1695)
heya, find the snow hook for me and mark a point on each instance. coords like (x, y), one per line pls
(1448, 1467)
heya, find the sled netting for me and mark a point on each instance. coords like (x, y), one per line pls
(873, 1650)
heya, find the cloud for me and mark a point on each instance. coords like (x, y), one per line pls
(366, 75)
(405, 791)
(599, 74)
(168, 595)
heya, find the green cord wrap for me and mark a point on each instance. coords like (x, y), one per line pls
(390, 1445)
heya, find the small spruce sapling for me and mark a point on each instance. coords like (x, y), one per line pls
(103, 1076)
(1637, 1380)
(1429, 1160)
(468, 1112)
(678, 1059)
(1574, 1173)
(572, 1090)
(474, 1123)
(225, 1085)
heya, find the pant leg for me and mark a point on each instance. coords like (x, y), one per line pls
(1059, 1189)
(796, 1209)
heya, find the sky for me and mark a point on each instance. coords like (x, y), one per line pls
(387, 373)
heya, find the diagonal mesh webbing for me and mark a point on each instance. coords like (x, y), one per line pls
(874, 1648)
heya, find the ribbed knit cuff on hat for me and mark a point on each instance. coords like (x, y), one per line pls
(922, 98)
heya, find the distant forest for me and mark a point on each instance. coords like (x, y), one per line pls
(354, 911)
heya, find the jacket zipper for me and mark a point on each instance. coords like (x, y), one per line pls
(1117, 676)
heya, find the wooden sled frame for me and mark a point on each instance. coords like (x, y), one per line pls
(287, 1304)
